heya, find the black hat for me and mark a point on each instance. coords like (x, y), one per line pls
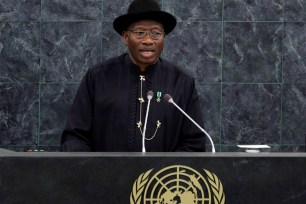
(144, 10)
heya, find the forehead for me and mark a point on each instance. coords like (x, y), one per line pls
(146, 24)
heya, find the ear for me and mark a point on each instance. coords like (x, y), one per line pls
(125, 37)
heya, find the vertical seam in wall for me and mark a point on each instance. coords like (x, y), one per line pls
(40, 80)
(221, 72)
(101, 35)
(282, 79)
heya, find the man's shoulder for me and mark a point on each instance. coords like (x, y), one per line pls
(108, 64)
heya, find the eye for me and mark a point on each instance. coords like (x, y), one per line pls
(139, 33)
(156, 34)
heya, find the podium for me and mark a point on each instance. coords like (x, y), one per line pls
(123, 178)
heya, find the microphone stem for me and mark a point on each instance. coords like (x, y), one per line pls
(212, 143)
(145, 127)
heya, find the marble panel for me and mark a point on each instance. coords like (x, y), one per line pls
(295, 10)
(112, 42)
(196, 46)
(19, 148)
(252, 52)
(205, 10)
(49, 148)
(251, 114)
(16, 10)
(19, 52)
(71, 10)
(260, 10)
(56, 100)
(210, 96)
(294, 114)
(293, 148)
(69, 49)
(294, 68)
(113, 9)
(18, 113)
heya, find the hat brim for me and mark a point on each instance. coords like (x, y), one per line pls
(121, 23)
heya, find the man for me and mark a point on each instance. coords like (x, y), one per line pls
(108, 113)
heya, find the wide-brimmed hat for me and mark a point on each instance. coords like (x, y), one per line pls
(144, 10)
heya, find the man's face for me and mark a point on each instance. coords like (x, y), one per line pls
(146, 50)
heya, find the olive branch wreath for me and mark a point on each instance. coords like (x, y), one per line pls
(139, 184)
(138, 187)
(217, 188)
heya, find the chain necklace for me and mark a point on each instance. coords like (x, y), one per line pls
(141, 101)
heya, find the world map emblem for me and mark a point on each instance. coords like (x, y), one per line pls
(177, 184)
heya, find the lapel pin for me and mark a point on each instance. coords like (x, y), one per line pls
(158, 96)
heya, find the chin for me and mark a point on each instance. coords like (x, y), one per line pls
(149, 61)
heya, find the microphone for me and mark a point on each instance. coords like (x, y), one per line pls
(149, 97)
(169, 99)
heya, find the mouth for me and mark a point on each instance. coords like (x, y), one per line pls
(147, 53)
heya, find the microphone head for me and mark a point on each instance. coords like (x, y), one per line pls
(150, 95)
(168, 98)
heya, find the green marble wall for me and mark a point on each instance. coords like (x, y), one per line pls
(248, 58)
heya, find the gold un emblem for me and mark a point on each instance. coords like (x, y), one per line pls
(177, 185)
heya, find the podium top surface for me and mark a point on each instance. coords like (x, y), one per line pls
(8, 153)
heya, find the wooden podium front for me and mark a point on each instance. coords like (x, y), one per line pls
(123, 178)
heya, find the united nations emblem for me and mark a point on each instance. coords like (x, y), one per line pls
(177, 185)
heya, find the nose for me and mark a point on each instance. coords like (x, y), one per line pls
(147, 39)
